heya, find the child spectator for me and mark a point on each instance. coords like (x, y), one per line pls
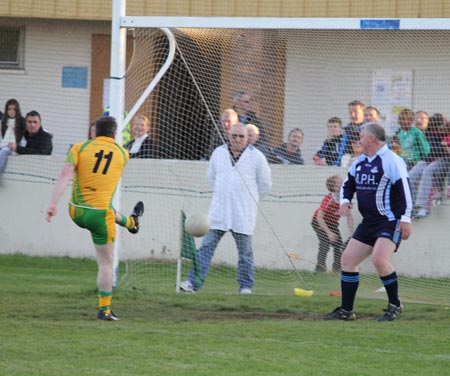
(349, 158)
(329, 151)
(395, 145)
(415, 146)
(325, 223)
(421, 120)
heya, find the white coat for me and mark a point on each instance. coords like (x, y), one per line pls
(237, 188)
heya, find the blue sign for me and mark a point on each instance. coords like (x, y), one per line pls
(74, 77)
(380, 24)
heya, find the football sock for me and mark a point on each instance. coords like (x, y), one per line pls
(390, 283)
(349, 286)
(104, 301)
(127, 222)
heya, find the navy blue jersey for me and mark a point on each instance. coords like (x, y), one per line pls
(381, 184)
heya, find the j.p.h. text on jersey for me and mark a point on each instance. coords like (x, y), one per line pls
(381, 184)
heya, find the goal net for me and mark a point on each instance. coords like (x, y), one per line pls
(279, 80)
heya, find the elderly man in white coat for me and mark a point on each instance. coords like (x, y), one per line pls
(240, 176)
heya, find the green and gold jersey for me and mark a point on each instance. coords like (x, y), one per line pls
(98, 167)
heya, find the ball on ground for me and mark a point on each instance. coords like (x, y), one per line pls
(197, 224)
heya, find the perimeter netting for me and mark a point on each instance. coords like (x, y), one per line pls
(293, 79)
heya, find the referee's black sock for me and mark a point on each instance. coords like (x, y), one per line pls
(390, 283)
(349, 286)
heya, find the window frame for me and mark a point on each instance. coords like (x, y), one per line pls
(19, 64)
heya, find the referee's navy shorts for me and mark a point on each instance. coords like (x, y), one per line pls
(369, 233)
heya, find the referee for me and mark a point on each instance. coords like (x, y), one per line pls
(380, 179)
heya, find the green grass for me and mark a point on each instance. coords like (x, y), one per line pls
(48, 327)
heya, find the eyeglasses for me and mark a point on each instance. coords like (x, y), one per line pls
(234, 135)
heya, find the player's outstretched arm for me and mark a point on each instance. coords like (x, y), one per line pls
(63, 180)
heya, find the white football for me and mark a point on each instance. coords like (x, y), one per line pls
(197, 224)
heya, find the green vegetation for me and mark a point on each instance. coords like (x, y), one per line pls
(48, 327)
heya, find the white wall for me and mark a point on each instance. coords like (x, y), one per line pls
(166, 187)
(49, 46)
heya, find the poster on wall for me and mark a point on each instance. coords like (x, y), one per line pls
(391, 92)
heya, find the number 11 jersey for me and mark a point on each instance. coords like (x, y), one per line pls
(99, 164)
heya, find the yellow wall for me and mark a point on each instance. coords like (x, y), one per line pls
(101, 9)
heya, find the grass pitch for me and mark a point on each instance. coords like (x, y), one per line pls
(48, 327)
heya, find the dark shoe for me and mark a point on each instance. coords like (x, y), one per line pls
(101, 315)
(320, 269)
(392, 312)
(341, 314)
(137, 213)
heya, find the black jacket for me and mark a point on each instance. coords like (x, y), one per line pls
(40, 143)
(147, 149)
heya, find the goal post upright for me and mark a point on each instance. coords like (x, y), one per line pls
(117, 98)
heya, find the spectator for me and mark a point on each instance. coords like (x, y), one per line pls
(349, 158)
(37, 140)
(91, 132)
(421, 175)
(12, 130)
(90, 206)
(414, 144)
(141, 146)
(325, 223)
(356, 114)
(329, 151)
(289, 152)
(372, 115)
(255, 140)
(12, 124)
(242, 104)
(421, 120)
(394, 144)
(228, 118)
(240, 176)
(380, 181)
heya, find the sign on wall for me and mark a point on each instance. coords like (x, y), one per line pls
(391, 92)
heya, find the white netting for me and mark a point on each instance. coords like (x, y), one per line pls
(296, 79)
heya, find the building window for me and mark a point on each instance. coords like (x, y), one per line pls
(12, 42)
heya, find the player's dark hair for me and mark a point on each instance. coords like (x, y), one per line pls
(105, 126)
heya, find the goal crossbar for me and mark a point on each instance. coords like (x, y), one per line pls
(287, 23)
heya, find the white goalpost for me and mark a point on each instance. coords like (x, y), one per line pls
(299, 72)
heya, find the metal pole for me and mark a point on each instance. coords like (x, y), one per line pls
(117, 98)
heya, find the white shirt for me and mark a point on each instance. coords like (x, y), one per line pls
(137, 143)
(237, 188)
(9, 134)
